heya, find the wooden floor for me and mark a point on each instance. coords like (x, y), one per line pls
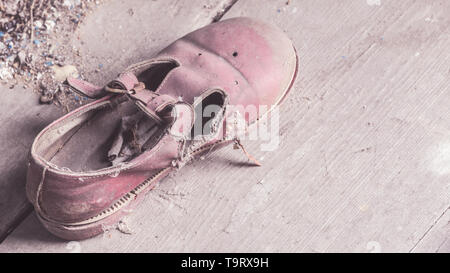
(363, 163)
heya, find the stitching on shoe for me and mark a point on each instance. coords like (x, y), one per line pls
(110, 170)
(126, 198)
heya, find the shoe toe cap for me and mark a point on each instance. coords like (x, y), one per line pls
(262, 53)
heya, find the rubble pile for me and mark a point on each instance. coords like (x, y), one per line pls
(35, 43)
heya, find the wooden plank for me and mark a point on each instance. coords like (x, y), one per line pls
(121, 33)
(437, 237)
(117, 34)
(363, 159)
(22, 118)
(376, 125)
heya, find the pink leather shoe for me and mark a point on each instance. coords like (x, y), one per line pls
(93, 165)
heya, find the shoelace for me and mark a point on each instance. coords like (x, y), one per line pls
(186, 157)
(238, 145)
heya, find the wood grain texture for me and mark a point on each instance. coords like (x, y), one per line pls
(376, 125)
(118, 34)
(437, 238)
(22, 118)
(363, 163)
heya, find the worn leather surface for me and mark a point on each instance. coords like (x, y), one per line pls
(253, 63)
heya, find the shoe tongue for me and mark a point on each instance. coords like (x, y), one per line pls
(164, 109)
(138, 133)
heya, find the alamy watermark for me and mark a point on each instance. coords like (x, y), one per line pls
(250, 122)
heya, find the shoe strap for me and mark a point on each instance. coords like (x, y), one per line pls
(124, 83)
(86, 88)
(153, 104)
(127, 83)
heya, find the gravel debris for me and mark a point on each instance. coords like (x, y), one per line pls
(123, 227)
(36, 40)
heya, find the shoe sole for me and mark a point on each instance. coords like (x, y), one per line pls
(125, 205)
